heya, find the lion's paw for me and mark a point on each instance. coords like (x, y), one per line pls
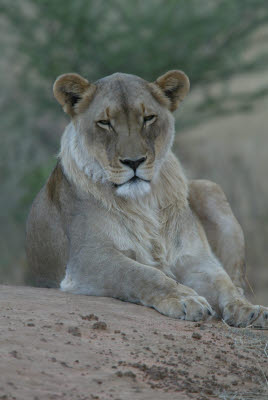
(262, 320)
(190, 308)
(241, 313)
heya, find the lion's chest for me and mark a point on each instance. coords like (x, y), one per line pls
(143, 236)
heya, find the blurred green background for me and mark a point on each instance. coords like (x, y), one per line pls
(221, 126)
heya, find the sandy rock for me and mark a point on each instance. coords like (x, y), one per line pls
(49, 350)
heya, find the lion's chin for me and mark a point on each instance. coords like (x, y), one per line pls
(133, 189)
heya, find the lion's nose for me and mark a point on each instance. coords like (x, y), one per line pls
(133, 163)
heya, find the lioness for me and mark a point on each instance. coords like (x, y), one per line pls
(118, 218)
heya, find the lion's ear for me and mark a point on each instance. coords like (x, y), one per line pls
(69, 89)
(175, 85)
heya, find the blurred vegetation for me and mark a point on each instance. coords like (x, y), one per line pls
(207, 39)
(212, 41)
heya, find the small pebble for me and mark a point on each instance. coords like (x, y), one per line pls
(74, 330)
(196, 335)
(100, 325)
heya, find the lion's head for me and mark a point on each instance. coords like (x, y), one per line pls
(123, 126)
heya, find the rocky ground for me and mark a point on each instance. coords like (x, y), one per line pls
(55, 345)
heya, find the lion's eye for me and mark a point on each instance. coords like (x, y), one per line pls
(104, 123)
(149, 118)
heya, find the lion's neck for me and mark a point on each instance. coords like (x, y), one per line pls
(169, 187)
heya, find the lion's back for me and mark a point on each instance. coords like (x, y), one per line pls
(46, 240)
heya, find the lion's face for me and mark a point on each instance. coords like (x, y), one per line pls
(124, 126)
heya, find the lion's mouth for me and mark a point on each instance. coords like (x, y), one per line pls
(135, 179)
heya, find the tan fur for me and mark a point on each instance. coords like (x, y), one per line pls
(222, 229)
(153, 239)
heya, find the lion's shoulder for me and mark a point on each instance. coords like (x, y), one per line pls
(57, 184)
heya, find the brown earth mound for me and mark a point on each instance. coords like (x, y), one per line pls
(61, 346)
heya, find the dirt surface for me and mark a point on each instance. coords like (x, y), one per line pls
(55, 345)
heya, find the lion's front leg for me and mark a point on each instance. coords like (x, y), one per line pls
(105, 271)
(235, 309)
(226, 239)
(201, 270)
